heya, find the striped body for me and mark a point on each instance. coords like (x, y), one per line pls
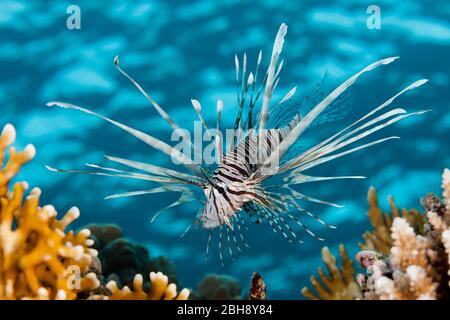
(233, 185)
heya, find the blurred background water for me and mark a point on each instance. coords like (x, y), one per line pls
(180, 50)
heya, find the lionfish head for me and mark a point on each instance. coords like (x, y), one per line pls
(223, 201)
(219, 206)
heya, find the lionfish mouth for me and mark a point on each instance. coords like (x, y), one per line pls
(272, 128)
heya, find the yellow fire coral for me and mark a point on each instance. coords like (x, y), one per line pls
(340, 284)
(160, 290)
(38, 259)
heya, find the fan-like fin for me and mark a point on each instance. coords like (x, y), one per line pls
(338, 155)
(125, 174)
(288, 95)
(253, 101)
(309, 118)
(219, 136)
(170, 188)
(311, 151)
(185, 197)
(319, 159)
(277, 47)
(300, 178)
(302, 196)
(148, 139)
(158, 108)
(158, 170)
(198, 110)
(301, 209)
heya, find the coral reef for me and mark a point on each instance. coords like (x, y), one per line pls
(340, 284)
(124, 264)
(160, 289)
(402, 276)
(406, 257)
(418, 264)
(380, 238)
(121, 259)
(38, 258)
(217, 287)
(41, 259)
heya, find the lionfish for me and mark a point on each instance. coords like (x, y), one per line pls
(236, 186)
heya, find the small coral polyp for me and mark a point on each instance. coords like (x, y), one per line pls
(38, 258)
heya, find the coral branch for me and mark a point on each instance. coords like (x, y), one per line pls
(380, 238)
(38, 258)
(405, 257)
(418, 264)
(161, 289)
(340, 284)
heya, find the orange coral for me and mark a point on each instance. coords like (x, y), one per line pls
(380, 238)
(340, 284)
(161, 289)
(38, 259)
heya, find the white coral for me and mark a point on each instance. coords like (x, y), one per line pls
(414, 258)
(446, 242)
(385, 288)
(421, 283)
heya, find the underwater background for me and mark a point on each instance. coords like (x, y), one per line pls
(180, 50)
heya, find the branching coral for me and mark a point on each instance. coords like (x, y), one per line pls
(445, 219)
(380, 238)
(406, 257)
(418, 265)
(340, 284)
(38, 258)
(161, 289)
(405, 275)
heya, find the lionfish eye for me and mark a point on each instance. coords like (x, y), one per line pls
(221, 190)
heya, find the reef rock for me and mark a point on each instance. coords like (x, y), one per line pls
(121, 259)
(218, 287)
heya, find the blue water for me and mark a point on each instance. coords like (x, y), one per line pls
(181, 50)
